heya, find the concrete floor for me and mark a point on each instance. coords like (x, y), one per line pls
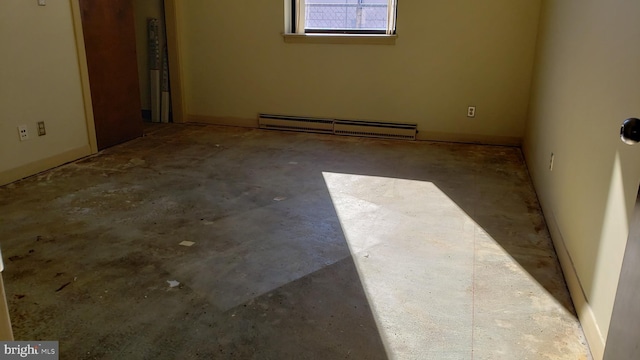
(305, 247)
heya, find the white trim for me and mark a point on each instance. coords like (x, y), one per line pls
(301, 16)
(84, 76)
(391, 16)
(425, 135)
(363, 39)
(587, 318)
(33, 168)
(222, 120)
(173, 17)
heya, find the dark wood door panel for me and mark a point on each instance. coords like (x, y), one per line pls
(110, 44)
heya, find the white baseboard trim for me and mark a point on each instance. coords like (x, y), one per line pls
(422, 135)
(585, 313)
(469, 138)
(11, 175)
(223, 120)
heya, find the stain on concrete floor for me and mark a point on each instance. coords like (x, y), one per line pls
(305, 247)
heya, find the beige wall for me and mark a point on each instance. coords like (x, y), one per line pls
(143, 10)
(449, 54)
(39, 81)
(585, 85)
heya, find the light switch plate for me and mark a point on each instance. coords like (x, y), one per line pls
(42, 2)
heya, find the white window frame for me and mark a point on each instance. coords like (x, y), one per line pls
(297, 33)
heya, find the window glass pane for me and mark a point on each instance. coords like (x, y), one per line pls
(346, 14)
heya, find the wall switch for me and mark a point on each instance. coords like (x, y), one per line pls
(551, 162)
(471, 111)
(41, 130)
(24, 133)
(42, 2)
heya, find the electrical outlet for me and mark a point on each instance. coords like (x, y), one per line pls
(41, 130)
(551, 162)
(42, 2)
(24, 133)
(471, 111)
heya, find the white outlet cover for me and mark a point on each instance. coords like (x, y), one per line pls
(23, 132)
(42, 2)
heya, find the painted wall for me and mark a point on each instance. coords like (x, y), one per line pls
(585, 85)
(449, 55)
(39, 81)
(143, 10)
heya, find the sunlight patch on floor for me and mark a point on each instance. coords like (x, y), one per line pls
(437, 282)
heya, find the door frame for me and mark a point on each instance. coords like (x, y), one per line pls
(84, 75)
(176, 80)
(172, 14)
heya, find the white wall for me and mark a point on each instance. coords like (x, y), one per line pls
(449, 55)
(39, 81)
(585, 85)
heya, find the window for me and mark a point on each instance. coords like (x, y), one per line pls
(344, 16)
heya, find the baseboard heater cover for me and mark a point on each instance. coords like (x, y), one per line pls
(338, 127)
(291, 123)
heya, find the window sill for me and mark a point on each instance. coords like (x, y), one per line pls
(361, 39)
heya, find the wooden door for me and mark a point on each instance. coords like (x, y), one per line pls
(110, 43)
(623, 341)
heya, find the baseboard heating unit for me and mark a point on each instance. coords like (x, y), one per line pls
(339, 127)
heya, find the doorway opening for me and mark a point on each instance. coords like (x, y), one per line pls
(94, 47)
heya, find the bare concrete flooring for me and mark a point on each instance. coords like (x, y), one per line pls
(305, 247)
